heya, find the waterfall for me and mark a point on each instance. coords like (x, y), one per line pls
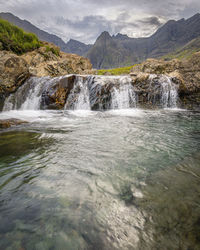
(112, 92)
(169, 93)
(124, 96)
(81, 92)
(163, 90)
(28, 96)
(78, 98)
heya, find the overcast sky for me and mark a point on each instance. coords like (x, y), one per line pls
(84, 20)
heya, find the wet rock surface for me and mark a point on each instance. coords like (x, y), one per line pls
(184, 73)
(54, 97)
(45, 61)
(7, 123)
(14, 72)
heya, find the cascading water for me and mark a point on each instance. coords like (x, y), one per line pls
(165, 89)
(111, 92)
(28, 96)
(123, 97)
(76, 92)
(169, 93)
(79, 96)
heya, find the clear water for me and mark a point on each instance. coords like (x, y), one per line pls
(121, 179)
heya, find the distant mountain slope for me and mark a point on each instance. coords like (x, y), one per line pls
(77, 47)
(186, 51)
(120, 50)
(72, 46)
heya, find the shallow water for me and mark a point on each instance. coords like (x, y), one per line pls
(121, 179)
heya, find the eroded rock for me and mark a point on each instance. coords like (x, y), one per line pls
(43, 62)
(14, 71)
(185, 73)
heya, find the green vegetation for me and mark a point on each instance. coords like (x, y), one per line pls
(186, 51)
(117, 71)
(54, 50)
(15, 39)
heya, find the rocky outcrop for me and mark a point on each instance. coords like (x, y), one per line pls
(14, 71)
(45, 61)
(185, 73)
(54, 97)
(10, 122)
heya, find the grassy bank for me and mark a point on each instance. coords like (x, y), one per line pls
(15, 39)
(117, 71)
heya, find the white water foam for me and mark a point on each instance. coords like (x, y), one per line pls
(168, 90)
(123, 97)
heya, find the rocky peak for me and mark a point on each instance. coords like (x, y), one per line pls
(194, 18)
(104, 36)
(121, 36)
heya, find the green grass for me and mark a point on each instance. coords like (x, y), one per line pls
(55, 51)
(15, 39)
(117, 71)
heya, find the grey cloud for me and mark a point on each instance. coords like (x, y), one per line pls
(86, 19)
(154, 21)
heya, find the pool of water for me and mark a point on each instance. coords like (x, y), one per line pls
(120, 179)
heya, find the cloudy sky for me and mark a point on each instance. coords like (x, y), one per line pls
(84, 20)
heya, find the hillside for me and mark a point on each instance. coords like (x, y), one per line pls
(120, 50)
(76, 47)
(15, 39)
(22, 55)
(186, 51)
(71, 46)
(173, 39)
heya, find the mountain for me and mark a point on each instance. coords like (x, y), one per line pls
(72, 46)
(76, 47)
(121, 50)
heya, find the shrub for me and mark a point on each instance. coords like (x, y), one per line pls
(15, 39)
(54, 50)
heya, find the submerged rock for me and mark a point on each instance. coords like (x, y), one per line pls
(7, 123)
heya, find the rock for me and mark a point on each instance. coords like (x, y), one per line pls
(14, 71)
(44, 62)
(56, 94)
(185, 73)
(11, 122)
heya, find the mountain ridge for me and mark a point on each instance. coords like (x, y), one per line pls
(120, 50)
(76, 48)
(168, 38)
